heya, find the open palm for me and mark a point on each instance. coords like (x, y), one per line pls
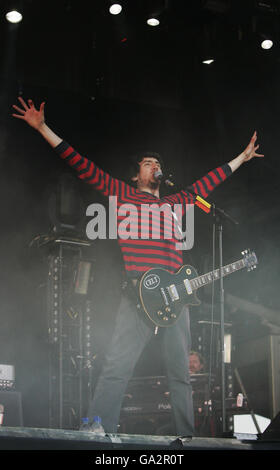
(35, 118)
(250, 151)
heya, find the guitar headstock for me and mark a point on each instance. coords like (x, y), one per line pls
(250, 259)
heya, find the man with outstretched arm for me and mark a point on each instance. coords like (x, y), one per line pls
(132, 332)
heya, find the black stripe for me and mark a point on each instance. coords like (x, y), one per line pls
(126, 244)
(211, 181)
(60, 148)
(71, 155)
(78, 163)
(226, 169)
(130, 263)
(86, 169)
(188, 195)
(202, 181)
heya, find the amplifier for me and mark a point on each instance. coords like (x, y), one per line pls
(7, 377)
(155, 390)
(257, 362)
(146, 408)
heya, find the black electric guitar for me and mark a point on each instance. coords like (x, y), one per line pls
(163, 294)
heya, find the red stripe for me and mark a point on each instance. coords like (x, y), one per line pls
(150, 242)
(82, 166)
(145, 224)
(221, 173)
(75, 159)
(106, 191)
(214, 177)
(202, 190)
(67, 152)
(111, 187)
(117, 188)
(195, 188)
(151, 260)
(208, 184)
(100, 186)
(150, 251)
(137, 214)
(94, 180)
(145, 231)
(180, 197)
(88, 173)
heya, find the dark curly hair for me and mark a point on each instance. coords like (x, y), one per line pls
(135, 160)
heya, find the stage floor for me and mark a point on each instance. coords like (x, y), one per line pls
(23, 438)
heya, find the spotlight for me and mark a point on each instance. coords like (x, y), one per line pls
(153, 22)
(267, 44)
(208, 61)
(115, 9)
(14, 16)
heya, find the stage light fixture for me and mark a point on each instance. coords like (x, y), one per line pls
(267, 44)
(152, 21)
(208, 61)
(115, 9)
(14, 16)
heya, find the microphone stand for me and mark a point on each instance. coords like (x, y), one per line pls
(218, 223)
(218, 214)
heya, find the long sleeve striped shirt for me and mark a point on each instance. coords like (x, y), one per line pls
(142, 250)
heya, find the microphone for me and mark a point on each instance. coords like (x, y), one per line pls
(159, 175)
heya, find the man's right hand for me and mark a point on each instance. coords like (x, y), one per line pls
(35, 118)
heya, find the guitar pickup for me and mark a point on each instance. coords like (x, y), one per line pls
(188, 286)
(172, 291)
(164, 296)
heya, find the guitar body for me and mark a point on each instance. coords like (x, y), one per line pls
(163, 294)
(158, 291)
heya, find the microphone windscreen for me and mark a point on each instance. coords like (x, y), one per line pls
(158, 174)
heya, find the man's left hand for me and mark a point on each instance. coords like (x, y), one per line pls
(250, 151)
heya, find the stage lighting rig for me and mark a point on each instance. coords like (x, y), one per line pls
(14, 16)
(208, 61)
(266, 44)
(115, 8)
(155, 12)
(153, 21)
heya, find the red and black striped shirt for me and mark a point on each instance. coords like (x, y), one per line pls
(141, 253)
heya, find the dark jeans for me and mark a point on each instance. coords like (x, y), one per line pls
(131, 335)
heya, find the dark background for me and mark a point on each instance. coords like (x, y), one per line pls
(114, 86)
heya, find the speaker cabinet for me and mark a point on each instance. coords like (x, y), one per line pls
(258, 364)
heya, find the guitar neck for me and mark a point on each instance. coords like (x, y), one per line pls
(208, 278)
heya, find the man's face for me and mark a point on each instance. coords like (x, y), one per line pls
(194, 364)
(147, 168)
